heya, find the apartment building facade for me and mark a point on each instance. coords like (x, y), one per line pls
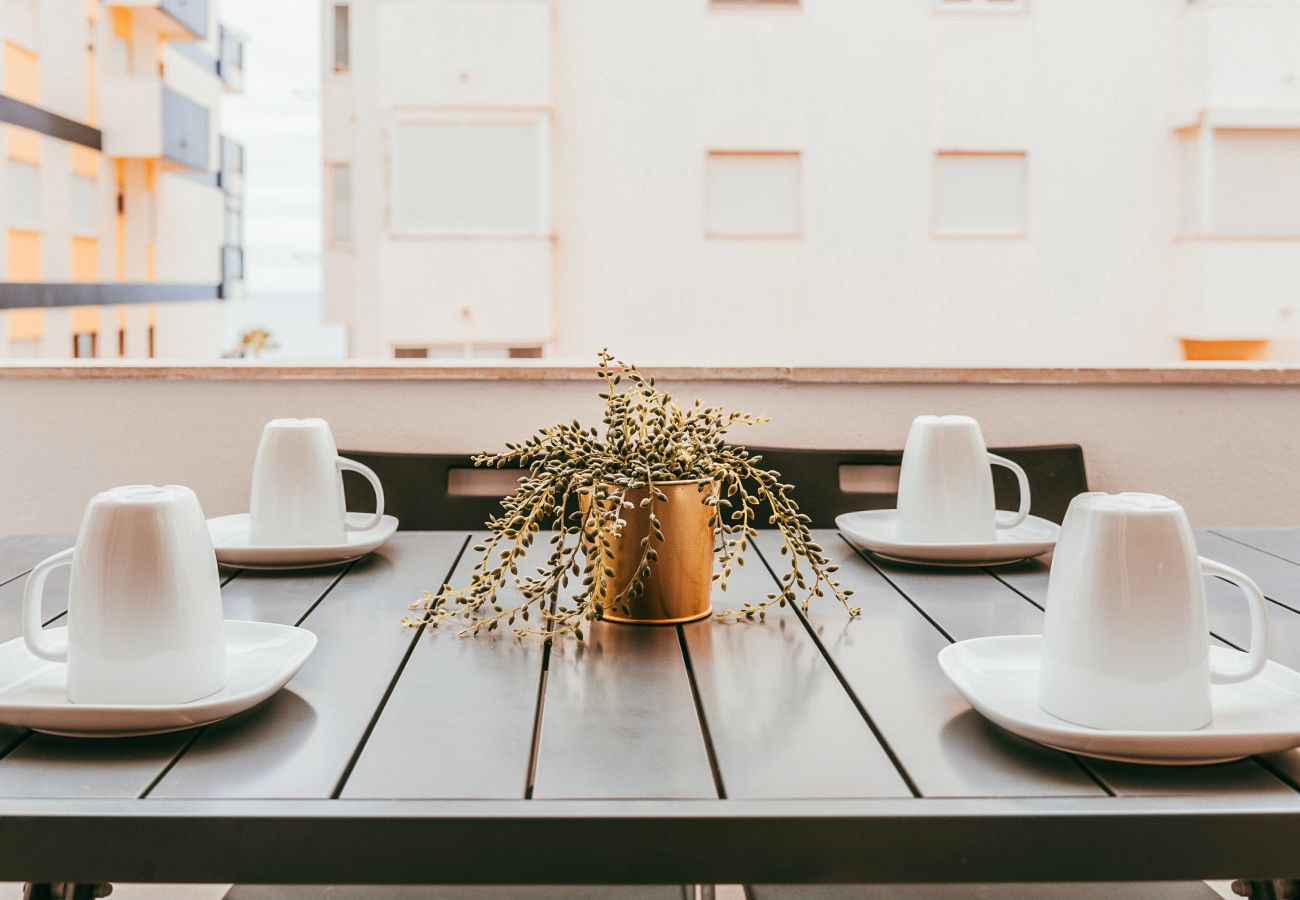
(121, 220)
(812, 181)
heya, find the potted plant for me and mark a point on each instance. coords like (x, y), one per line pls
(645, 515)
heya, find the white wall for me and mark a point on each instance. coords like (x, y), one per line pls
(1227, 452)
(190, 230)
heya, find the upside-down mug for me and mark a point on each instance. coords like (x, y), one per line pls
(945, 488)
(1126, 638)
(144, 601)
(297, 493)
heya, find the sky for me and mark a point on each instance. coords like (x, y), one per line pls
(277, 119)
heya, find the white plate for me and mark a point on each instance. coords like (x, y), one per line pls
(261, 657)
(876, 530)
(230, 540)
(999, 677)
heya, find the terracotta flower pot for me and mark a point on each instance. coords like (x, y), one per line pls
(681, 579)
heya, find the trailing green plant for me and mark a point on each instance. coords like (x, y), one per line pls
(647, 438)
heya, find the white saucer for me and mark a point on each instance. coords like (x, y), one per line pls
(230, 540)
(999, 677)
(876, 530)
(261, 658)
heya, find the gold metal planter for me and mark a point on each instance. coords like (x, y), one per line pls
(681, 579)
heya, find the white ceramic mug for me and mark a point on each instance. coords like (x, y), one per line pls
(297, 495)
(144, 602)
(945, 489)
(1126, 639)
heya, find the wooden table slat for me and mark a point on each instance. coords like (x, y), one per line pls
(781, 722)
(459, 722)
(888, 657)
(620, 719)
(300, 743)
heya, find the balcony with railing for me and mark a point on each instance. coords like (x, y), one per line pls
(174, 20)
(146, 119)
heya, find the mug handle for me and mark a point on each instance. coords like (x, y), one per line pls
(33, 594)
(346, 465)
(1021, 479)
(1258, 653)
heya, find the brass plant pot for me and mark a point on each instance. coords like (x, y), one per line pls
(681, 579)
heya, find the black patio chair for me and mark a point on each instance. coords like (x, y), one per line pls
(437, 491)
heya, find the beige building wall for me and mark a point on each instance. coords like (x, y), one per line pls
(826, 181)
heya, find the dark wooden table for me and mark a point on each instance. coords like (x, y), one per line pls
(817, 750)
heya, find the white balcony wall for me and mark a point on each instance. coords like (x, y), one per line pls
(1244, 288)
(449, 53)
(188, 329)
(1125, 425)
(55, 19)
(131, 110)
(18, 23)
(1252, 52)
(189, 231)
(466, 291)
(755, 79)
(983, 69)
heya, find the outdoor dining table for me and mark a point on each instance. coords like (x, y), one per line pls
(805, 749)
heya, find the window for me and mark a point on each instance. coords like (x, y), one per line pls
(85, 191)
(84, 345)
(462, 178)
(992, 6)
(342, 38)
(751, 4)
(980, 194)
(1256, 186)
(340, 204)
(23, 208)
(753, 195)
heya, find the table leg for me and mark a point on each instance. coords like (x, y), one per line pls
(1278, 889)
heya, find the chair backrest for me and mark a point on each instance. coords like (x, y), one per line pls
(431, 491)
(445, 491)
